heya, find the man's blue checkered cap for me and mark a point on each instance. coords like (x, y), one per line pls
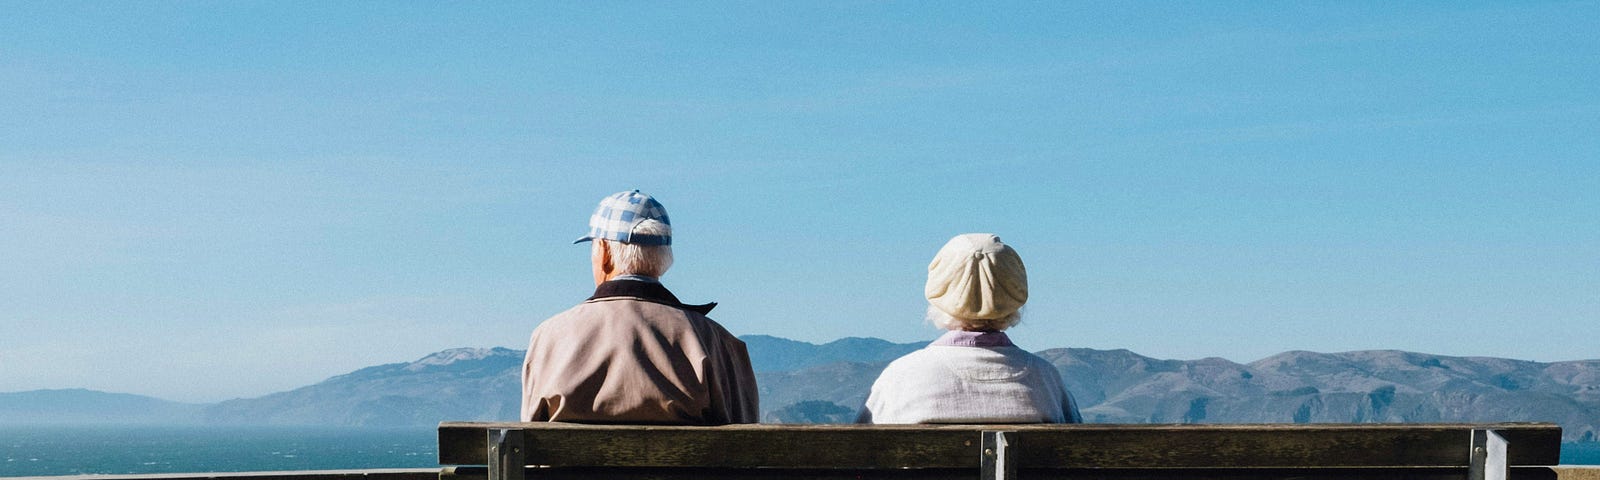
(620, 213)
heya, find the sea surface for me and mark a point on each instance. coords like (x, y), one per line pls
(1580, 453)
(32, 451)
(36, 451)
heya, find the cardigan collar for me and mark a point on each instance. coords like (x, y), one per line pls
(959, 338)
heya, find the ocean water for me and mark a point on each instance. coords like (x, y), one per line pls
(31, 451)
(34, 451)
(1580, 453)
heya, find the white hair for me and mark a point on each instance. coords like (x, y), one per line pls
(943, 320)
(647, 260)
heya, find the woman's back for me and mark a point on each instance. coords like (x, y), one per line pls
(955, 381)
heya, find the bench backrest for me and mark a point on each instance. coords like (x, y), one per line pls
(1002, 451)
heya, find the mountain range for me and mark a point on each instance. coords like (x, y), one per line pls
(808, 383)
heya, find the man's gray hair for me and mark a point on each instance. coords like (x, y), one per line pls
(943, 320)
(647, 260)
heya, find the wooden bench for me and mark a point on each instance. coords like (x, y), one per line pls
(515, 451)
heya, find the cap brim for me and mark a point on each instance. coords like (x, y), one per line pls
(582, 239)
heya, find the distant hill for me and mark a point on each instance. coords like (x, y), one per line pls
(802, 382)
(484, 384)
(79, 406)
(773, 354)
(462, 383)
(1118, 386)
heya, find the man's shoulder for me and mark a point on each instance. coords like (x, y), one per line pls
(585, 315)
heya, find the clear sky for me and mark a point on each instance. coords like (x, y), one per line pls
(208, 200)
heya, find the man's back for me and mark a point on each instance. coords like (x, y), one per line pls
(633, 354)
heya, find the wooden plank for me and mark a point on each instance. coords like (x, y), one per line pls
(1421, 473)
(953, 446)
(1266, 446)
(364, 474)
(838, 446)
(578, 473)
(809, 448)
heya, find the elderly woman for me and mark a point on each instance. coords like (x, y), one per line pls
(973, 373)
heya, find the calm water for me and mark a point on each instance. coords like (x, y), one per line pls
(29, 451)
(1580, 453)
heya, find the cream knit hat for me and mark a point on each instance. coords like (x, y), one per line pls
(976, 277)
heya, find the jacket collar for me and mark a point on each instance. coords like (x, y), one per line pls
(647, 291)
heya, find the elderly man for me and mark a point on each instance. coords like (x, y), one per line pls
(633, 353)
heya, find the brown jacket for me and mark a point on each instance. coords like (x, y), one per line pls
(634, 354)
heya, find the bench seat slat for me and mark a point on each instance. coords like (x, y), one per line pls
(581, 473)
(1268, 446)
(952, 446)
(849, 447)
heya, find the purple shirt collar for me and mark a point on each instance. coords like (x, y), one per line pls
(958, 338)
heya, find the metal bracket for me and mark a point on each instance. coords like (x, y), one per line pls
(1488, 461)
(506, 458)
(998, 457)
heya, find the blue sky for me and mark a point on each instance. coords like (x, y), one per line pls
(208, 200)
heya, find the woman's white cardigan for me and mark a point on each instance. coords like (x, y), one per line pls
(955, 381)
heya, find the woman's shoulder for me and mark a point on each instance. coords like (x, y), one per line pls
(914, 359)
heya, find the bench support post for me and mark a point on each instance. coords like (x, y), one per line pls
(1488, 456)
(506, 461)
(999, 456)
